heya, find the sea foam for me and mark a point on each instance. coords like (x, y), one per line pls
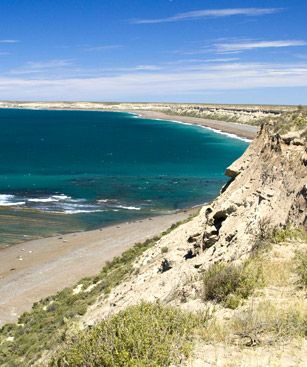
(8, 200)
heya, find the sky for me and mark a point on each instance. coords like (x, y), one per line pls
(210, 51)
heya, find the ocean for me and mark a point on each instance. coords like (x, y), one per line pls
(65, 171)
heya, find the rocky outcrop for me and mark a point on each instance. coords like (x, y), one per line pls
(268, 186)
(267, 189)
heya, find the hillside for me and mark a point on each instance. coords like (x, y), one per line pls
(267, 190)
(243, 114)
(228, 287)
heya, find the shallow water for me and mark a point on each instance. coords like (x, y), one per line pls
(64, 171)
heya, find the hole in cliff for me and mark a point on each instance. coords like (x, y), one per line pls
(208, 211)
(193, 238)
(165, 266)
(189, 255)
(218, 219)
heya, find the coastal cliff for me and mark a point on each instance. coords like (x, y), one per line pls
(242, 114)
(226, 287)
(241, 262)
(267, 191)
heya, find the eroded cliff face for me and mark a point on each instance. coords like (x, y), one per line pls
(268, 188)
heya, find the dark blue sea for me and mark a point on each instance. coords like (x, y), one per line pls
(64, 171)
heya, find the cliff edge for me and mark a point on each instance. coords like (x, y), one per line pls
(267, 190)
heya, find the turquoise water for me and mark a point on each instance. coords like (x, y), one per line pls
(70, 170)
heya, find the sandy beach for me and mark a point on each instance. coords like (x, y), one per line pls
(241, 130)
(35, 269)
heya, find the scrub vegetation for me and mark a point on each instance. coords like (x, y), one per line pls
(148, 335)
(47, 323)
(229, 284)
(157, 335)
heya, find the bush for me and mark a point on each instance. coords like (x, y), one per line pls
(261, 323)
(268, 235)
(146, 335)
(290, 121)
(229, 284)
(289, 233)
(263, 237)
(301, 267)
(268, 319)
(164, 250)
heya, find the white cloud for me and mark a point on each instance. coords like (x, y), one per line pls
(102, 48)
(146, 68)
(32, 67)
(67, 69)
(238, 46)
(199, 61)
(9, 41)
(48, 64)
(251, 45)
(153, 85)
(209, 13)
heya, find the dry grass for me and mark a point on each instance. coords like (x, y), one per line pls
(270, 327)
(264, 319)
(301, 267)
(277, 272)
(290, 121)
(260, 324)
(267, 323)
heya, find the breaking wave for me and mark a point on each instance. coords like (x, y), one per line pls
(64, 204)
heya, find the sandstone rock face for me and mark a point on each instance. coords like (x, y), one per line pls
(268, 188)
(269, 185)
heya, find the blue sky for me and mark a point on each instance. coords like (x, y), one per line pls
(211, 51)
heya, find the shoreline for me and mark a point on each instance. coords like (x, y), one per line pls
(32, 270)
(232, 129)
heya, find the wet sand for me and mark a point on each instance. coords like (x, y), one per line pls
(241, 130)
(35, 269)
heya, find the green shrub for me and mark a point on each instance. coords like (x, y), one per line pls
(289, 233)
(290, 121)
(146, 335)
(164, 250)
(230, 284)
(301, 267)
